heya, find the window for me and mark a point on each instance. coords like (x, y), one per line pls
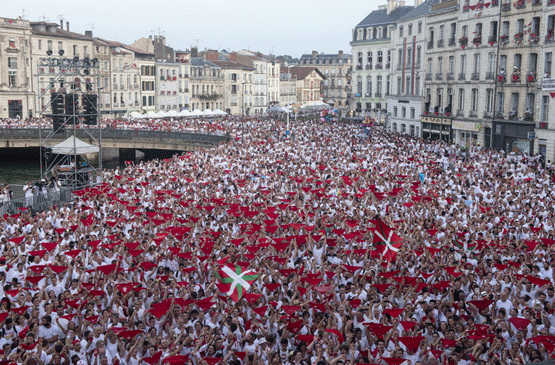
(412, 113)
(40, 44)
(465, 31)
(359, 85)
(400, 57)
(399, 85)
(430, 64)
(407, 87)
(493, 30)
(489, 100)
(369, 85)
(85, 51)
(418, 55)
(518, 60)
(417, 85)
(453, 30)
(505, 28)
(60, 45)
(500, 102)
(440, 97)
(401, 31)
(379, 85)
(403, 112)
(441, 32)
(410, 29)
(12, 62)
(409, 56)
(514, 101)
(520, 26)
(547, 66)
(440, 64)
(394, 111)
(533, 62)
(451, 64)
(461, 99)
(419, 27)
(380, 57)
(476, 63)
(49, 45)
(432, 35)
(530, 101)
(503, 62)
(474, 100)
(369, 57)
(463, 64)
(545, 108)
(478, 31)
(491, 62)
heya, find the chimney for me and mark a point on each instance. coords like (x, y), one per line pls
(61, 24)
(314, 54)
(382, 7)
(233, 57)
(67, 26)
(418, 2)
(340, 53)
(391, 5)
(88, 33)
(402, 2)
(194, 52)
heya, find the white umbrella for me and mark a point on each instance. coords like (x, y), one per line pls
(184, 113)
(161, 114)
(171, 113)
(196, 113)
(151, 115)
(207, 112)
(219, 112)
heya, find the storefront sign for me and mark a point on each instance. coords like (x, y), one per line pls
(435, 120)
(465, 126)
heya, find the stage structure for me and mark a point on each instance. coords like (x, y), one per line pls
(72, 103)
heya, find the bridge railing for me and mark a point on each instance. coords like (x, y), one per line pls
(118, 134)
(40, 201)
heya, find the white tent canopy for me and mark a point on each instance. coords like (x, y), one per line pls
(136, 115)
(184, 113)
(151, 115)
(171, 113)
(219, 112)
(196, 112)
(161, 114)
(72, 144)
(207, 112)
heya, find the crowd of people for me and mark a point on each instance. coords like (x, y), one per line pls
(126, 273)
(166, 124)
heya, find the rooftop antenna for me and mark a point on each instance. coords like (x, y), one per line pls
(196, 43)
(23, 13)
(92, 27)
(60, 17)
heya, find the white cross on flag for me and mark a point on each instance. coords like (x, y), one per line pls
(235, 281)
(386, 241)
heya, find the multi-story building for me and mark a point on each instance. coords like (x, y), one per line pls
(101, 51)
(167, 85)
(372, 58)
(16, 80)
(237, 79)
(309, 83)
(258, 93)
(404, 104)
(273, 79)
(287, 88)
(207, 85)
(545, 120)
(51, 40)
(146, 62)
(337, 69)
(183, 58)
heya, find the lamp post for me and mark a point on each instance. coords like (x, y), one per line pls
(242, 109)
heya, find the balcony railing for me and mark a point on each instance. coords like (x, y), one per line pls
(528, 116)
(440, 43)
(543, 125)
(450, 76)
(513, 115)
(462, 76)
(520, 4)
(439, 76)
(506, 7)
(531, 77)
(460, 113)
(488, 114)
(492, 39)
(475, 76)
(536, 2)
(549, 38)
(504, 39)
(430, 44)
(428, 77)
(473, 114)
(515, 77)
(378, 95)
(452, 41)
(369, 67)
(490, 75)
(534, 38)
(368, 95)
(477, 41)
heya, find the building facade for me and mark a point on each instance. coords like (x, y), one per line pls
(207, 85)
(309, 84)
(167, 86)
(287, 88)
(337, 69)
(238, 79)
(372, 48)
(16, 78)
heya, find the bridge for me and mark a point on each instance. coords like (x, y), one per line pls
(114, 138)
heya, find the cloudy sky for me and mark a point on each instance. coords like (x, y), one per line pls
(280, 27)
